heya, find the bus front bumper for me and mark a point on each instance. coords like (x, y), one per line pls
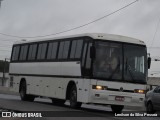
(117, 98)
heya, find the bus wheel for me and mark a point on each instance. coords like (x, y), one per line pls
(117, 108)
(57, 101)
(73, 98)
(23, 94)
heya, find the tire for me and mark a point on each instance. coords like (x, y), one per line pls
(149, 108)
(23, 95)
(73, 98)
(58, 101)
(117, 108)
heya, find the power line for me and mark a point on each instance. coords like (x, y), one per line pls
(86, 24)
(157, 26)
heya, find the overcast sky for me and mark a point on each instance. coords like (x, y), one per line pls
(42, 17)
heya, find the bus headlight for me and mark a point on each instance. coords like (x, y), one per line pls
(99, 87)
(139, 91)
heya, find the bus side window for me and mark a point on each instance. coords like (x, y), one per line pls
(84, 54)
(73, 49)
(52, 50)
(15, 54)
(32, 52)
(66, 49)
(23, 52)
(42, 51)
(79, 49)
(60, 52)
(88, 60)
(76, 48)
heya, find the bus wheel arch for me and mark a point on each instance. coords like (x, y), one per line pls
(71, 95)
(69, 86)
(23, 91)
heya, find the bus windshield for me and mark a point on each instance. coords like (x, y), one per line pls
(121, 62)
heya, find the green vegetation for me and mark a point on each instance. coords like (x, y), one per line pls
(4, 64)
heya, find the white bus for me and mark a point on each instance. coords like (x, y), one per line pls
(88, 68)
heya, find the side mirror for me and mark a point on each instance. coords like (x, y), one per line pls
(92, 52)
(149, 62)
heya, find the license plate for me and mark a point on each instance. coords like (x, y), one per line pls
(119, 98)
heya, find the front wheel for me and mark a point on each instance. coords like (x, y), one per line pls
(117, 108)
(73, 98)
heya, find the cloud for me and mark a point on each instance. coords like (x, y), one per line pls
(41, 17)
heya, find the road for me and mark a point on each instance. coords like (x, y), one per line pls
(44, 106)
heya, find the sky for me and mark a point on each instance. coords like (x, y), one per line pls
(29, 18)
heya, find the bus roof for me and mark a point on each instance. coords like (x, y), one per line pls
(100, 36)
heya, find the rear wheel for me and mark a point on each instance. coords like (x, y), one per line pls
(23, 94)
(150, 108)
(73, 98)
(117, 108)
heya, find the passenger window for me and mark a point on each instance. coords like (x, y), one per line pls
(15, 53)
(23, 52)
(84, 54)
(79, 49)
(52, 50)
(42, 51)
(66, 49)
(76, 49)
(60, 53)
(73, 49)
(32, 52)
(88, 60)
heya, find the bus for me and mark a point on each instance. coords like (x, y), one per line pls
(91, 68)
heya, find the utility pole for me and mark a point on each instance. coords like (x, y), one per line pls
(4, 70)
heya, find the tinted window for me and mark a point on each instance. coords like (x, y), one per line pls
(76, 49)
(42, 51)
(23, 53)
(79, 49)
(84, 54)
(32, 52)
(60, 53)
(52, 50)
(15, 54)
(108, 63)
(66, 49)
(88, 60)
(73, 49)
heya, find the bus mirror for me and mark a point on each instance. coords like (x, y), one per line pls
(92, 52)
(149, 62)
